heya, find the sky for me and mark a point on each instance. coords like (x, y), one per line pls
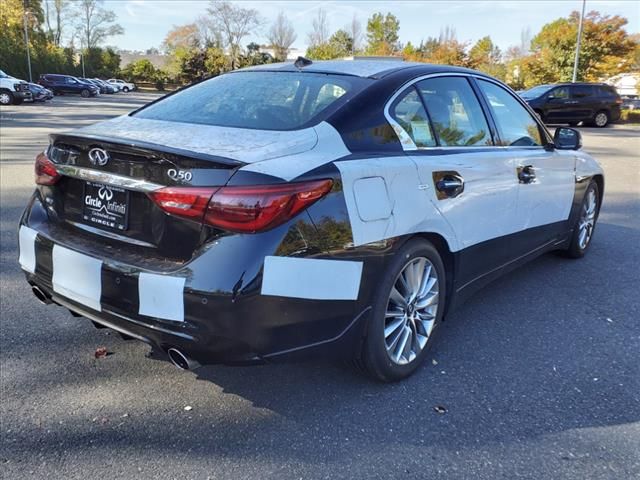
(146, 22)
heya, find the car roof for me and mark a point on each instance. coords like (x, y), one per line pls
(359, 68)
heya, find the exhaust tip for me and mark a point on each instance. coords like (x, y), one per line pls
(40, 295)
(181, 360)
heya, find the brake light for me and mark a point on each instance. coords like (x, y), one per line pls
(189, 202)
(45, 169)
(619, 101)
(248, 209)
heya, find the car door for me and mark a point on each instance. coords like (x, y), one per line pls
(559, 106)
(465, 177)
(546, 177)
(584, 101)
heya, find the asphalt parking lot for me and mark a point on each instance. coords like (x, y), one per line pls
(538, 374)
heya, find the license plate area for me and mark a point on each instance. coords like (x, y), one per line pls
(105, 206)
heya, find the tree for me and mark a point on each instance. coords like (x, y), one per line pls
(95, 23)
(234, 23)
(281, 36)
(59, 11)
(486, 56)
(382, 34)
(339, 45)
(183, 36)
(319, 33)
(140, 70)
(355, 32)
(606, 49)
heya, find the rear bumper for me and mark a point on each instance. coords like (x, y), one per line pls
(222, 318)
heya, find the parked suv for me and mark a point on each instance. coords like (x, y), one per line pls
(338, 207)
(124, 86)
(593, 103)
(61, 84)
(12, 90)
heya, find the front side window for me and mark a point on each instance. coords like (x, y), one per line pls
(259, 100)
(410, 114)
(456, 114)
(515, 124)
(561, 93)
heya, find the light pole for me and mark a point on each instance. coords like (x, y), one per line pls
(26, 41)
(575, 63)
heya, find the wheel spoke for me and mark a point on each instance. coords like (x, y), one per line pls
(427, 301)
(393, 326)
(397, 298)
(402, 344)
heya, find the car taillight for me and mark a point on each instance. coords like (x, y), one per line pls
(247, 209)
(189, 202)
(45, 169)
(619, 101)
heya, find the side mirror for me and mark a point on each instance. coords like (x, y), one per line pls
(567, 139)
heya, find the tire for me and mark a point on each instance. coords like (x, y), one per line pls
(6, 97)
(601, 119)
(125, 89)
(586, 221)
(378, 350)
(85, 93)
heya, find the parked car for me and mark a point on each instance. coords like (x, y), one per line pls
(596, 104)
(39, 93)
(630, 103)
(13, 91)
(339, 208)
(124, 86)
(88, 81)
(62, 84)
(108, 88)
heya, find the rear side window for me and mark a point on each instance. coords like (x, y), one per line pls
(515, 124)
(259, 100)
(455, 112)
(582, 91)
(409, 112)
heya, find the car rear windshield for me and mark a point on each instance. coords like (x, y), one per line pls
(258, 100)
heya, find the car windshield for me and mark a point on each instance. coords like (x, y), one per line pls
(535, 92)
(3, 75)
(258, 100)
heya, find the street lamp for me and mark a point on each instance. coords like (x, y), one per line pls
(26, 41)
(575, 63)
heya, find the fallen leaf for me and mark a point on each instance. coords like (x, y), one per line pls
(434, 361)
(101, 352)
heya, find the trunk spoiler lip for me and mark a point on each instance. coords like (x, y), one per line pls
(144, 148)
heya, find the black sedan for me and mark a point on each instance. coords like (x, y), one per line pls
(337, 208)
(39, 93)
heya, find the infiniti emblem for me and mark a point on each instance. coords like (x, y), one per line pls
(105, 193)
(98, 156)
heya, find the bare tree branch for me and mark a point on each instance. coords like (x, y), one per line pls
(319, 34)
(234, 23)
(281, 36)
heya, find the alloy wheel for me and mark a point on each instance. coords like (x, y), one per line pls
(601, 119)
(587, 220)
(411, 312)
(5, 98)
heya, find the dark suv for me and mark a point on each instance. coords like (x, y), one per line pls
(596, 104)
(61, 84)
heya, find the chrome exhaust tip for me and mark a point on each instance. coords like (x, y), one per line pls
(40, 295)
(181, 360)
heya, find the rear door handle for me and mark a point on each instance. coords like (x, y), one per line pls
(448, 184)
(526, 174)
